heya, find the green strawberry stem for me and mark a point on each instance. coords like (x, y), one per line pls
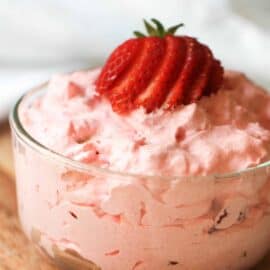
(156, 29)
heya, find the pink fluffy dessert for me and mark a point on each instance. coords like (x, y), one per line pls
(148, 219)
(226, 132)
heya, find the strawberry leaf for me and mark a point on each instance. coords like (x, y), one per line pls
(160, 28)
(173, 29)
(150, 29)
(156, 29)
(138, 34)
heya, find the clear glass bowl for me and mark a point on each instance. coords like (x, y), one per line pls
(85, 217)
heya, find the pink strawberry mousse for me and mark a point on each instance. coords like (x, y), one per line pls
(151, 220)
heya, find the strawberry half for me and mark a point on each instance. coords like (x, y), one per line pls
(159, 71)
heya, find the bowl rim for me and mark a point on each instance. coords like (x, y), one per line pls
(18, 130)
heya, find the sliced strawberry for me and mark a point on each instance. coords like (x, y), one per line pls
(143, 69)
(176, 94)
(201, 81)
(117, 63)
(215, 78)
(161, 70)
(194, 75)
(172, 63)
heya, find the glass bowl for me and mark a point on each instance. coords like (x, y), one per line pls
(85, 217)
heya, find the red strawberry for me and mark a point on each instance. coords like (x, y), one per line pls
(215, 78)
(186, 75)
(155, 93)
(159, 71)
(128, 87)
(119, 61)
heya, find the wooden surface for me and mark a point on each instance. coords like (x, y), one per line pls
(16, 252)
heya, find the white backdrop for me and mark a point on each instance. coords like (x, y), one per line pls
(40, 37)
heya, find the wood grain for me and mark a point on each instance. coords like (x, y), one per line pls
(6, 163)
(16, 252)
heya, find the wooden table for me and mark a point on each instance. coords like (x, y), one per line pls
(16, 252)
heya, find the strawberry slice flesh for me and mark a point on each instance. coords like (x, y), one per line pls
(202, 78)
(172, 63)
(194, 74)
(125, 91)
(215, 78)
(176, 94)
(117, 64)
